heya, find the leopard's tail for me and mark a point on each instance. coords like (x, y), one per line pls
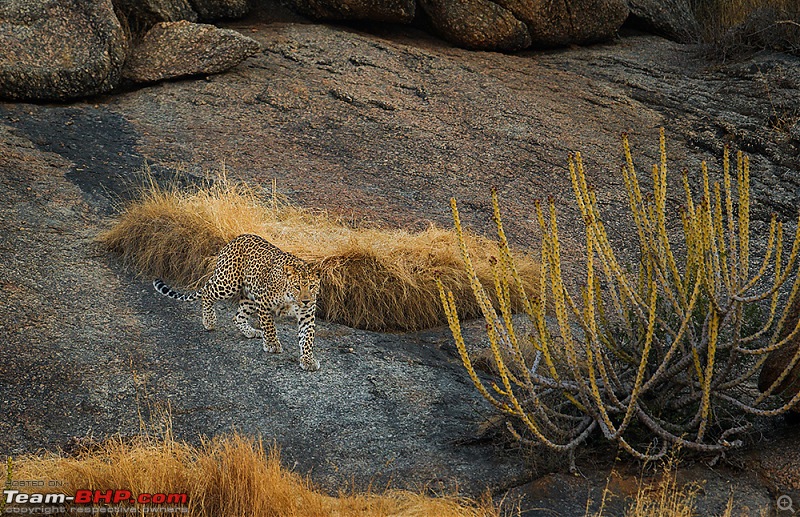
(166, 290)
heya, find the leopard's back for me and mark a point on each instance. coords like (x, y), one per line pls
(246, 262)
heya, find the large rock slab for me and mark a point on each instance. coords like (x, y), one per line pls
(59, 49)
(383, 408)
(174, 49)
(393, 11)
(477, 24)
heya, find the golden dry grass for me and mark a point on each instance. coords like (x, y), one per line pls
(737, 28)
(237, 476)
(231, 476)
(371, 278)
(727, 13)
(662, 495)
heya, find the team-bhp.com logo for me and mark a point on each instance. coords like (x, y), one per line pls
(89, 499)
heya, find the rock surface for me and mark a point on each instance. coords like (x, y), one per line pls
(143, 14)
(672, 18)
(174, 49)
(42, 59)
(216, 9)
(383, 127)
(509, 25)
(477, 24)
(778, 360)
(392, 11)
(611, 491)
(554, 24)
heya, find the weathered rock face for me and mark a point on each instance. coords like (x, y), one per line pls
(173, 49)
(504, 25)
(215, 9)
(774, 367)
(672, 18)
(571, 21)
(393, 11)
(778, 360)
(477, 24)
(143, 14)
(42, 58)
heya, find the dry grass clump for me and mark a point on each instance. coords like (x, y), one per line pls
(666, 497)
(736, 28)
(229, 476)
(371, 278)
(661, 494)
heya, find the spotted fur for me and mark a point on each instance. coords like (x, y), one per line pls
(266, 282)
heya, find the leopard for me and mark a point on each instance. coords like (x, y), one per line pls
(265, 281)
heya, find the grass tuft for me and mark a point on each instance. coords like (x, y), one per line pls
(733, 29)
(228, 476)
(373, 279)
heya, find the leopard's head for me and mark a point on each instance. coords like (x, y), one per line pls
(303, 282)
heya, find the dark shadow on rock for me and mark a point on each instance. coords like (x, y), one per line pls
(101, 144)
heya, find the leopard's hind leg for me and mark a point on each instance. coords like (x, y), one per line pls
(246, 309)
(214, 290)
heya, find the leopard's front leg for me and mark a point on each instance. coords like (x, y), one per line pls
(271, 342)
(305, 334)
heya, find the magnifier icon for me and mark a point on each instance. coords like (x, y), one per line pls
(785, 504)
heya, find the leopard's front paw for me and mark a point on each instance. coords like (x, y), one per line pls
(309, 365)
(273, 348)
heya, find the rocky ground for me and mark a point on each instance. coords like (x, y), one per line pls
(383, 126)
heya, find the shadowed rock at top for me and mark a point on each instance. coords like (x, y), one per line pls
(143, 14)
(42, 59)
(216, 9)
(392, 11)
(45, 63)
(672, 18)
